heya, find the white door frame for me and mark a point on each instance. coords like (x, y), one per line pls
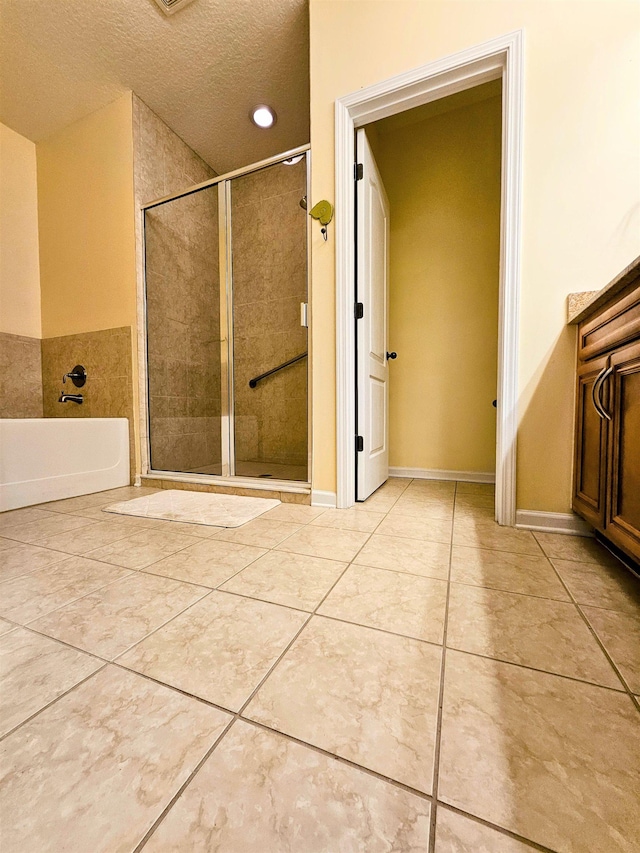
(500, 57)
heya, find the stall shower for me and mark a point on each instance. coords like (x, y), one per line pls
(226, 272)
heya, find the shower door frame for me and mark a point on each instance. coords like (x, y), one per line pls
(227, 477)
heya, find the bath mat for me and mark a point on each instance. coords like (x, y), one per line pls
(196, 507)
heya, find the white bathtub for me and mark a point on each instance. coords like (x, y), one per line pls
(52, 458)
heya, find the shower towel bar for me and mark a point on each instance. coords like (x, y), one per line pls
(253, 382)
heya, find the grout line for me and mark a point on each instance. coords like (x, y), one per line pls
(154, 826)
(165, 623)
(494, 826)
(339, 758)
(614, 666)
(536, 669)
(52, 702)
(438, 732)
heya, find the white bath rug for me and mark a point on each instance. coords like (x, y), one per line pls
(196, 507)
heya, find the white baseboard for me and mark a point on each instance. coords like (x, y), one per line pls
(326, 499)
(552, 522)
(442, 474)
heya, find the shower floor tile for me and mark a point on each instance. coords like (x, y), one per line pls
(404, 675)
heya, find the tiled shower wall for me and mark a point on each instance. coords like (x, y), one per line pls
(183, 300)
(269, 283)
(20, 377)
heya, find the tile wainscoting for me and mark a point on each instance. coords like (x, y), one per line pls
(20, 377)
(108, 393)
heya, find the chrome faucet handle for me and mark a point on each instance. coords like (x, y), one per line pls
(78, 376)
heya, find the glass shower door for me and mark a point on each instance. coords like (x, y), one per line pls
(270, 365)
(186, 386)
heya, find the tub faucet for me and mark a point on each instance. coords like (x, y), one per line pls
(71, 398)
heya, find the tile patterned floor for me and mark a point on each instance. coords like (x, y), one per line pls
(403, 676)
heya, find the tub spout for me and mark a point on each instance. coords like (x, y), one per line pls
(71, 398)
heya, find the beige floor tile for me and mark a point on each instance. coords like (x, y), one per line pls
(30, 596)
(34, 671)
(277, 795)
(478, 533)
(207, 563)
(429, 559)
(584, 549)
(431, 487)
(86, 538)
(262, 534)
(5, 627)
(293, 513)
(422, 509)
(536, 632)
(365, 695)
(24, 559)
(93, 771)
(377, 503)
(396, 484)
(620, 635)
(427, 529)
(220, 649)
(199, 531)
(340, 545)
(553, 760)
(475, 502)
(7, 544)
(294, 580)
(392, 601)
(71, 505)
(34, 531)
(112, 619)
(612, 587)
(26, 515)
(458, 834)
(476, 489)
(349, 519)
(525, 573)
(467, 512)
(98, 499)
(139, 550)
(99, 513)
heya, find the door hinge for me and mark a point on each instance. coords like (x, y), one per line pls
(359, 443)
(358, 311)
(358, 172)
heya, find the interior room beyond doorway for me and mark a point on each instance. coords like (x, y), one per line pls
(441, 168)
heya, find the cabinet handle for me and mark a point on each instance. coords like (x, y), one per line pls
(603, 379)
(594, 393)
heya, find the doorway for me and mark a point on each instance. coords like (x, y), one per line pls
(500, 58)
(432, 176)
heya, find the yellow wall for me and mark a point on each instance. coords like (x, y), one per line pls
(19, 265)
(442, 177)
(581, 192)
(86, 220)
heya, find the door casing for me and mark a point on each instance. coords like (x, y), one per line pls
(499, 58)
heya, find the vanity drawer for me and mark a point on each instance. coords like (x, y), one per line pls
(613, 326)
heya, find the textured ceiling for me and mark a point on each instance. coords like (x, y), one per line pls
(201, 69)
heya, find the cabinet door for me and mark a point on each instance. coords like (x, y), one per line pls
(590, 470)
(623, 504)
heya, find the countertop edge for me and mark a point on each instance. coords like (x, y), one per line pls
(582, 305)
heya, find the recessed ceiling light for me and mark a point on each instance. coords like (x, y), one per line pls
(263, 116)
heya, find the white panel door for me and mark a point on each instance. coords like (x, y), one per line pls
(372, 290)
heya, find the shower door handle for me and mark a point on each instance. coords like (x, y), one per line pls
(304, 314)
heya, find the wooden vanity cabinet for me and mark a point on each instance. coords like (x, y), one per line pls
(607, 442)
